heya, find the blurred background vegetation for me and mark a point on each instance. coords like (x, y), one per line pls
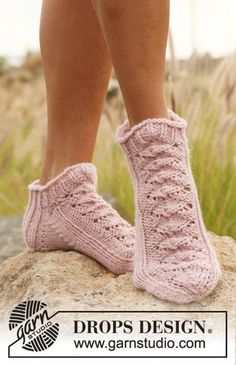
(201, 89)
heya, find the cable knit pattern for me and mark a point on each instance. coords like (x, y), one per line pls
(67, 213)
(173, 257)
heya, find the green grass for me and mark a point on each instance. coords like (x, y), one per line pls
(215, 176)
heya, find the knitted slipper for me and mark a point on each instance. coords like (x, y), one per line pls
(173, 257)
(67, 213)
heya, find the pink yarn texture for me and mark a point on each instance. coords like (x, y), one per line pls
(173, 259)
(67, 213)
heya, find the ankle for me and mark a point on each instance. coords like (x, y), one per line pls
(61, 154)
(54, 166)
(159, 110)
(49, 172)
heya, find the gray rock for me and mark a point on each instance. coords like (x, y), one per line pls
(11, 238)
(72, 280)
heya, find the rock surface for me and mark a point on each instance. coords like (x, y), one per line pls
(72, 280)
(11, 239)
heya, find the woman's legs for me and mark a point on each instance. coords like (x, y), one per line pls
(136, 34)
(173, 258)
(77, 68)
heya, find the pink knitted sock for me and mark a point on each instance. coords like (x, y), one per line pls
(67, 213)
(173, 257)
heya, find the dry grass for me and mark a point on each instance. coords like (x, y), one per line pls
(201, 90)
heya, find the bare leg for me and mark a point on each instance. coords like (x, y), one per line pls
(77, 68)
(136, 33)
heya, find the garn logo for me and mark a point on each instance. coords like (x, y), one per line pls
(34, 326)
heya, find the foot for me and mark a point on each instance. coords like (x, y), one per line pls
(67, 213)
(173, 257)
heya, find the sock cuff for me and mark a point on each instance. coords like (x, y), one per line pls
(67, 180)
(149, 126)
